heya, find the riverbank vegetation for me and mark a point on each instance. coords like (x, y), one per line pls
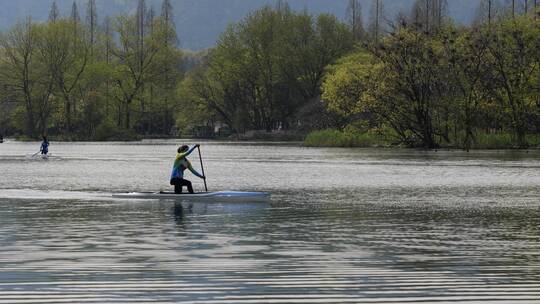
(75, 78)
(445, 88)
(416, 79)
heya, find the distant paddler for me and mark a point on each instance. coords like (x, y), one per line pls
(44, 149)
(181, 163)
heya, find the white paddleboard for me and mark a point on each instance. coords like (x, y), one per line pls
(221, 196)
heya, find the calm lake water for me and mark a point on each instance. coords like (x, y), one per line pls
(343, 226)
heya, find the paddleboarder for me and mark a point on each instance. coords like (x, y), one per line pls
(44, 146)
(181, 163)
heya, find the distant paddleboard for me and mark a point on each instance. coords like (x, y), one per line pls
(221, 196)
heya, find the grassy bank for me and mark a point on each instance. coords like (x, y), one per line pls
(502, 141)
(354, 138)
(349, 138)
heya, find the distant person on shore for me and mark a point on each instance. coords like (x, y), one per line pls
(181, 163)
(44, 146)
(1, 138)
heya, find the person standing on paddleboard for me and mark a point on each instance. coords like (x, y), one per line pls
(44, 146)
(181, 163)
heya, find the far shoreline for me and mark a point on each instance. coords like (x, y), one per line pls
(300, 143)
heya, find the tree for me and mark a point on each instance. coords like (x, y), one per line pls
(406, 90)
(429, 15)
(91, 22)
(54, 13)
(18, 50)
(167, 17)
(108, 44)
(22, 73)
(75, 19)
(282, 5)
(513, 52)
(345, 84)
(485, 12)
(269, 66)
(375, 22)
(439, 13)
(467, 69)
(66, 58)
(354, 17)
(135, 59)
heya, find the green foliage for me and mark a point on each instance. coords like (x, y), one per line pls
(346, 82)
(267, 67)
(276, 70)
(71, 81)
(483, 140)
(440, 89)
(515, 59)
(108, 131)
(493, 141)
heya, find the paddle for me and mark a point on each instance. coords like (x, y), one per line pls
(202, 169)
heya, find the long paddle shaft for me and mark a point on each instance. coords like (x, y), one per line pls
(202, 169)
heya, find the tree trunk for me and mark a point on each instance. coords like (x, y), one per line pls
(127, 121)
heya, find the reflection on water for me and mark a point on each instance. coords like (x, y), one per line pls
(350, 226)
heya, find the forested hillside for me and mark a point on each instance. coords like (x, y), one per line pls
(200, 22)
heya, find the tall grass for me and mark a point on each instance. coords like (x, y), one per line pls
(351, 137)
(493, 141)
(534, 140)
(502, 141)
(336, 138)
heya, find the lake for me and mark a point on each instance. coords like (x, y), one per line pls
(343, 226)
